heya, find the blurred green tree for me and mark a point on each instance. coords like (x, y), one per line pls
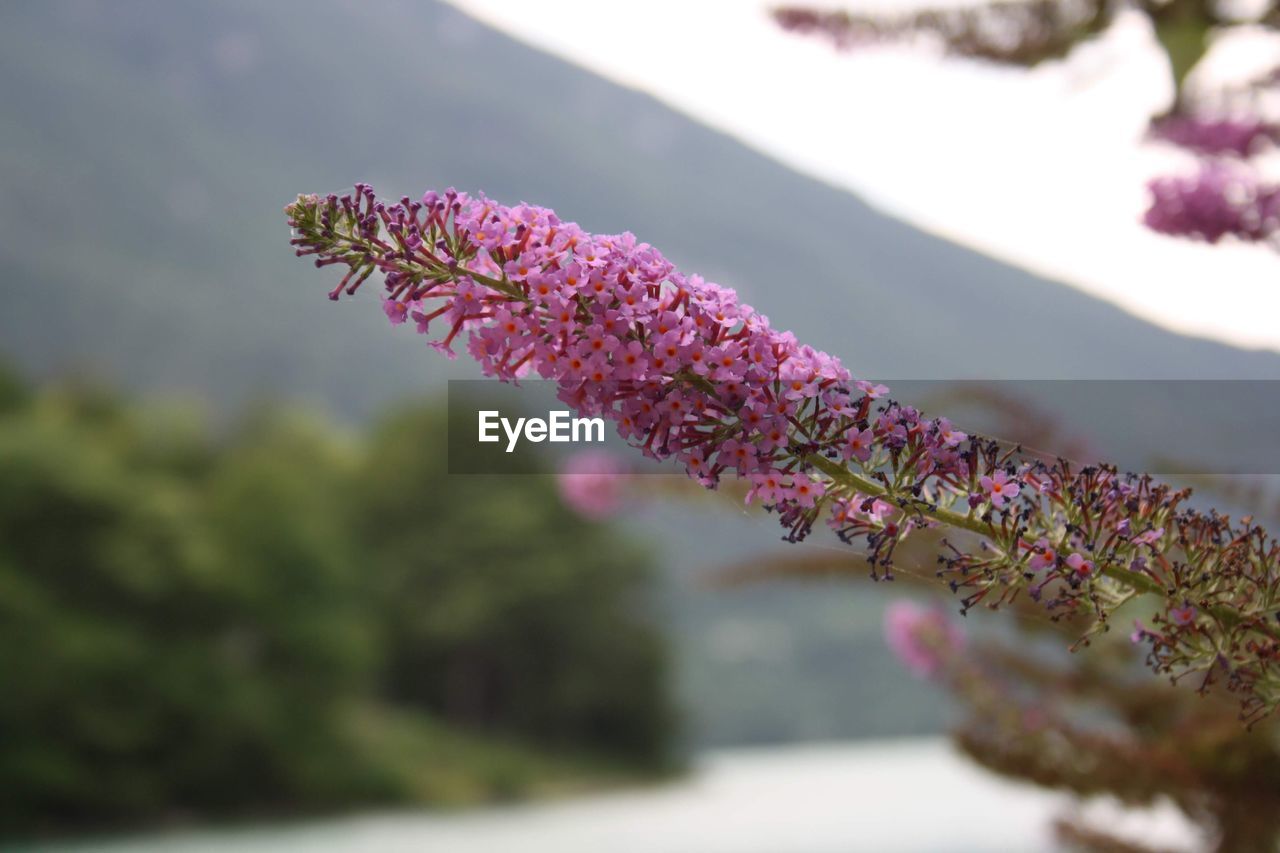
(279, 618)
(502, 609)
(177, 626)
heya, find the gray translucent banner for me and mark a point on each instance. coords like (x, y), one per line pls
(1171, 428)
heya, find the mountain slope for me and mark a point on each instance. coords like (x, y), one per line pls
(147, 149)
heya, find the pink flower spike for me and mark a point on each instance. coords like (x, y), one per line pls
(686, 371)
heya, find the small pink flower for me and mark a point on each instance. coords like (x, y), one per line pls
(422, 322)
(597, 368)
(1151, 537)
(806, 492)
(774, 434)
(1081, 566)
(630, 361)
(872, 390)
(1043, 555)
(840, 402)
(528, 268)
(600, 341)
(397, 312)
(444, 349)
(797, 381)
(859, 445)
(949, 435)
(876, 510)
(727, 362)
(739, 455)
(999, 488)
(1183, 616)
(695, 463)
(768, 487)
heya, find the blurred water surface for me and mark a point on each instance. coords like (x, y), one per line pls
(893, 797)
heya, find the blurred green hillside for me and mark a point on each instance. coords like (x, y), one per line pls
(286, 618)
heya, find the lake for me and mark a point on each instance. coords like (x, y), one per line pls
(887, 797)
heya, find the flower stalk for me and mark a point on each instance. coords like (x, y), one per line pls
(688, 373)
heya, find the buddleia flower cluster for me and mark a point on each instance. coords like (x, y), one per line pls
(1220, 200)
(1226, 196)
(687, 372)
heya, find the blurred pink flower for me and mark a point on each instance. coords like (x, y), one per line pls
(593, 483)
(920, 636)
(1214, 137)
(1216, 202)
(1183, 616)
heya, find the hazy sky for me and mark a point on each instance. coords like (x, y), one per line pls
(1045, 169)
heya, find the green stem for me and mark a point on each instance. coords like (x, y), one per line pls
(1139, 582)
(845, 477)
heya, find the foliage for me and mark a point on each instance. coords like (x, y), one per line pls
(1090, 724)
(1094, 727)
(487, 588)
(247, 623)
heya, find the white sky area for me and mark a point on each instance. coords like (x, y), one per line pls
(1045, 169)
